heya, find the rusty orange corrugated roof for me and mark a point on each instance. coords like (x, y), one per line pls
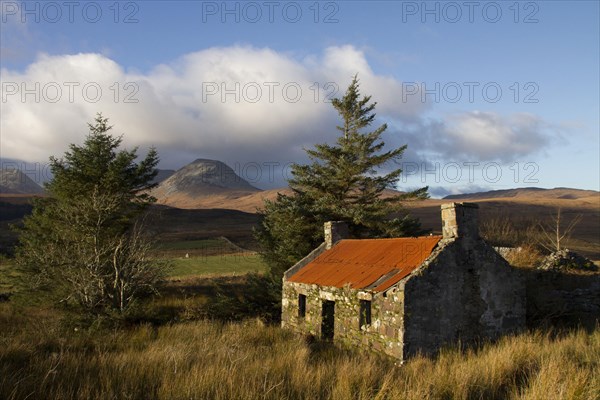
(373, 264)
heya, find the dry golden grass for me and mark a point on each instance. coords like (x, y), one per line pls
(528, 256)
(42, 359)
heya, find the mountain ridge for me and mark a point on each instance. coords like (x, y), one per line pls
(210, 184)
(555, 193)
(13, 181)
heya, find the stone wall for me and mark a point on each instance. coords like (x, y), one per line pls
(383, 335)
(562, 299)
(460, 293)
(464, 291)
(508, 252)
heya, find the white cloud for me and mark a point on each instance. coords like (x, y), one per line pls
(236, 104)
(492, 136)
(480, 136)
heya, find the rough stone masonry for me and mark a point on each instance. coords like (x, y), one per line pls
(405, 296)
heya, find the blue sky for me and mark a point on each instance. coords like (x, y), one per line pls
(487, 95)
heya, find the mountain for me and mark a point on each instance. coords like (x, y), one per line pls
(205, 177)
(209, 184)
(13, 181)
(162, 175)
(202, 180)
(529, 193)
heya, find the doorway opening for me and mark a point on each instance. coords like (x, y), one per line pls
(327, 320)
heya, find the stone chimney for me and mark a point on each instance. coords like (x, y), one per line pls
(459, 220)
(334, 232)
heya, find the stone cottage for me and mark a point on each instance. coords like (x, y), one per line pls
(405, 296)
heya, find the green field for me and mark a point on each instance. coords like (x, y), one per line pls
(195, 248)
(207, 257)
(226, 264)
(192, 244)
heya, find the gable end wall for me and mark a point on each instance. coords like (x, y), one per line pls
(466, 292)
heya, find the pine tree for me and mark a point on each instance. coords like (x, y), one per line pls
(343, 182)
(289, 230)
(84, 243)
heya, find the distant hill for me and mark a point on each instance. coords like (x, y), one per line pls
(530, 192)
(200, 180)
(528, 206)
(235, 200)
(219, 214)
(162, 175)
(13, 181)
(194, 195)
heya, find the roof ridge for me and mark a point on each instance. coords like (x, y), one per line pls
(395, 238)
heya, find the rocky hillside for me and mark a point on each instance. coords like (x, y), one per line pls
(199, 180)
(13, 181)
(163, 174)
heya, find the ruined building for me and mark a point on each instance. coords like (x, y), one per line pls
(405, 296)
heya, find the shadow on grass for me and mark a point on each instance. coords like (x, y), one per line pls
(219, 298)
(562, 299)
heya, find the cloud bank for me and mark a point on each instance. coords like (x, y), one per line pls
(237, 104)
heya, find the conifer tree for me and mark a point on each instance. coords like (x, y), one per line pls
(344, 181)
(83, 243)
